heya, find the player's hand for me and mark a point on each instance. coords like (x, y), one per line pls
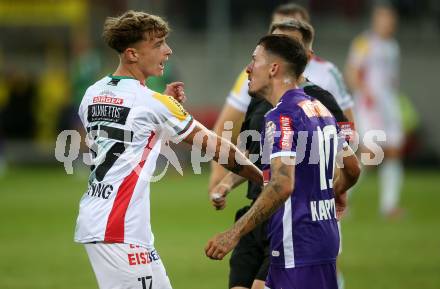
(221, 244)
(341, 205)
(217, 196)
(176, 90)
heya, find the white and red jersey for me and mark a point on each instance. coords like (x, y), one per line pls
(377, 60)
(327, 76)
(239, 97)
(126, 123)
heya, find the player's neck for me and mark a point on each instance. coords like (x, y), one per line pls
(280, 88)
(130, 71)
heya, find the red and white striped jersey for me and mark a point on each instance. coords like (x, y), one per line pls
(327, 76)
(126, 123)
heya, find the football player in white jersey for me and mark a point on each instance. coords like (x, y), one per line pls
(126, 125)
(321, 72)
(373, 74)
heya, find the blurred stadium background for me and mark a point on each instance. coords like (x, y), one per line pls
(50, 51)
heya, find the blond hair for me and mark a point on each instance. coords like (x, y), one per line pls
(133, 26)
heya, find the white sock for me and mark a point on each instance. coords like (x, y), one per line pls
(390, 174)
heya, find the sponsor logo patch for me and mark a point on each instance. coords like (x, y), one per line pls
(286, 133)
(347, 130)
(108, 100)
(140, 256)
(107, 112)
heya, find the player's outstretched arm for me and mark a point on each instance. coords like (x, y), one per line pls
(272, 197)
(235, 116)
(223, 150)
(218, 194)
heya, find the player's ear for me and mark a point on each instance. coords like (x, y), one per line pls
(310, 54)
(274, 68)
(131, 54)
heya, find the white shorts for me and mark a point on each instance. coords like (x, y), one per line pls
(125, 266)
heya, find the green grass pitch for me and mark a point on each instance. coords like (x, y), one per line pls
(38, 210)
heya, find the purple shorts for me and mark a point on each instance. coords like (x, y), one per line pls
(308, 277)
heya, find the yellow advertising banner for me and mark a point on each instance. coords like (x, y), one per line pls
(43, 12)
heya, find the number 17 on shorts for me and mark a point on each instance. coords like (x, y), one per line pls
(147, 282)
(125, 266)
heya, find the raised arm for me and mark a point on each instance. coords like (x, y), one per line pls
(275, 193)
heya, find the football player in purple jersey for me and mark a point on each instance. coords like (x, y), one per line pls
(300, 145)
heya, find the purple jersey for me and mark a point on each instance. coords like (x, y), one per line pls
(304, 231)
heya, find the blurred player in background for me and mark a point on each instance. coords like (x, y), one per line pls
(300, 195)
(126, 124)
(373, 74)
(321, 72)
(249, 262)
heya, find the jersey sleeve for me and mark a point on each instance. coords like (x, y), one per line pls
(280, 135)
(175, 122)
(338, 89)
(239, 97)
